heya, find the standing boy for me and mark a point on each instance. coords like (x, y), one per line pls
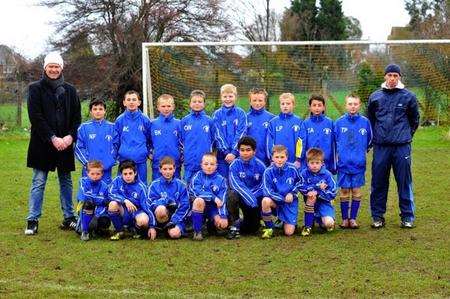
(246, 178)
(317, 131)
(230, 125)
(208, 188)
(169, 200)
(280, 193)
(95, 140)
(196, 135)
(165, 135)
(93, 197)
(132, 134)
(353, 135)
(319, 188)
(258, 122)
(285, 128)
(128, 203)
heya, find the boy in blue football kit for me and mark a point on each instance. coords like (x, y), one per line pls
(285, 128)
(258, 122)
(246, 178)
(353, 135)
(208, 188)
(280, 193)
(132, 139)
(317, 131)
(196, 135)
(319, 188)
(129, 204)
(95, 140)
(230, 124)
(169, 200)
(165, 135)
(93, 199)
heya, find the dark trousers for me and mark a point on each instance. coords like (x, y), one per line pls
(251, 216)
(399, 158)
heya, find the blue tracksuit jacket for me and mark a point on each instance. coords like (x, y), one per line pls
(284, 129)
(230, 125)
(310, 181)
(209, 187)
(133, 139)
(172, 194)
(279, 181)
(257, 126)
(394, 116)
(95, 142)
(197, 138)
(96, 192)
(353, 135)
(246, 178)
(317, 131)
(165, 135)
(135, 192)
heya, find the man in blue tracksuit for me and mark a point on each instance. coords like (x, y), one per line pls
(132, 134)
(394, 115)
(258, 122)
(317, 131)
(246, 178)
(95, 140)
(169, 200)
(196, 135)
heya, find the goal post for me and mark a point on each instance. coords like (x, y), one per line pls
(328, 67)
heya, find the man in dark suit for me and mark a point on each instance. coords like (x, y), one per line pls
(54, 112)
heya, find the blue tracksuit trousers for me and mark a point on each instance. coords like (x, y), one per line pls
(399, 158)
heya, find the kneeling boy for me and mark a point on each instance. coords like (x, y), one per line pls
(319, 189)
(208, 188)
(128, 205)
(280, 193)
(169, 200)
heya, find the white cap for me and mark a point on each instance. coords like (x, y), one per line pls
(53, 57)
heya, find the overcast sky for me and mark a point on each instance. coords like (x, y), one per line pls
(27, 27)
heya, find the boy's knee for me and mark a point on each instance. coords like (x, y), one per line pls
(198, 204)
(113, 206)
(289, 229)
(345, 192)
(175, 233)
(311, 200)
(266, 203)
(161, 214)
(328, 222)
(356, 193)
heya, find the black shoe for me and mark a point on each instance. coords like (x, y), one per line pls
(233, 233)
(377, 224)
(32, 227)
(69, 223)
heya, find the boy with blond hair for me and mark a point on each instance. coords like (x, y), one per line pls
(196, 134)
(165, 135)
(258, 122)
(285, 128)
(230, 125)
(353, 134)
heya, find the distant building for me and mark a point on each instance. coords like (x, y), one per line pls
(9, 61)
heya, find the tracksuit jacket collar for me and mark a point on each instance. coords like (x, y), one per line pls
(167, 118)
(257, 112)
(400, 85)
(353, 117)
(317, 118)
(321, 171)
(282, 168)
(286, 115)
(132, 114)
(197, 113)
(229, 110)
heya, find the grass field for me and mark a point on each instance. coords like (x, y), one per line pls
(391, 262)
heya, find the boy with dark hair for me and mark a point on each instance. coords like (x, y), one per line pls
(128, 203)
(169, 200)
(317, 131)
(95, 140)
(258, 121)
(132, 139)
(246, 173)
(165, 135)
(319, 188)
(196, 135)
(353, 134)
(208, 188)
(93, 199)
(280, 193)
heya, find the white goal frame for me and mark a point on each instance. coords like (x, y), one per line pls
(147, 94)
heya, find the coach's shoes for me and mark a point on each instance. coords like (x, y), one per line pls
(306, 231)
(377, 224)
(69, 223)
(32, 227)
(84, 236)
(406, 224)
(117, 236)
(233, 233)
(267, 233)
(197, 236)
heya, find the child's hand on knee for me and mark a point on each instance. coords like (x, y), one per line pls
(218, 202)
(151, 233)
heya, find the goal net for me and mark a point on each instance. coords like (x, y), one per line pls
(333, 69)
